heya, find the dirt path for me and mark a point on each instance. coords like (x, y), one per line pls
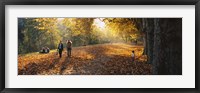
(102, 59)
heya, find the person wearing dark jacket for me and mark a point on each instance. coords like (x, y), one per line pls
(60, 48)
(69, 48)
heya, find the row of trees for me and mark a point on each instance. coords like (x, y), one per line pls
(162, 37)
(34, 33)
(163, 43)
(123, 28)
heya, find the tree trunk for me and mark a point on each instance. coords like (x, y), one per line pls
(145, 44)
(150, 39)
(167, 56)
(156, 48)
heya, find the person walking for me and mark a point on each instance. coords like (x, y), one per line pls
(60, 48)
(69, 48)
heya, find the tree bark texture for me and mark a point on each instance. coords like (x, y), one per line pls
(167, 58)
(163, 44)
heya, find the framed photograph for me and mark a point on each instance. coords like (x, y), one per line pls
(99, 46)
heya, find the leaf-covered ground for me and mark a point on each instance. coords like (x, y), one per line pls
(102, 59)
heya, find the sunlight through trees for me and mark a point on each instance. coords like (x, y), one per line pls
(38, 32)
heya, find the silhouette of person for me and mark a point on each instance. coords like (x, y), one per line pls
(60, 48)
(69, 48)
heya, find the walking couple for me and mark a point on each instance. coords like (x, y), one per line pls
(68, 46)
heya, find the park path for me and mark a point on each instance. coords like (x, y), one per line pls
(100, 59)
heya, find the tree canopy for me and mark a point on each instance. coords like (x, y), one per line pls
(34, 33)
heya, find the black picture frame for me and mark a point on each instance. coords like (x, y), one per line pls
(3, 3)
